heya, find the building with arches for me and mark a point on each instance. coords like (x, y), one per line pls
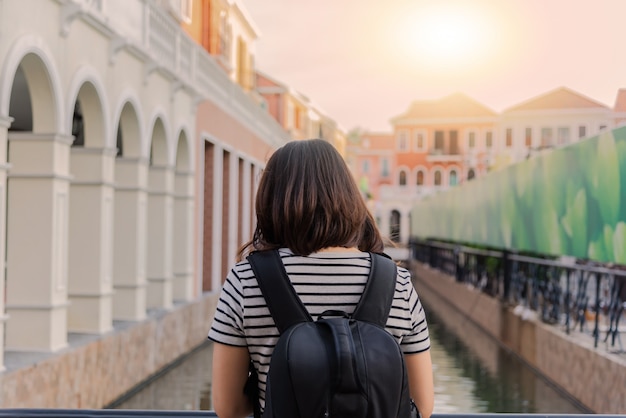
(128, 160)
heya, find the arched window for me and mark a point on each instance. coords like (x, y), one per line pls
(471, 174)
(402, 178)
(420, 178)
(453, 178)
(438, 178)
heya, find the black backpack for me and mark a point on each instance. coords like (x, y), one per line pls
(339, 366)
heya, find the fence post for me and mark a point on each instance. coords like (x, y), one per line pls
(596, 329)
(458, 270)
(506, 274)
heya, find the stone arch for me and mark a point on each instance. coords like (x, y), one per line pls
(161, 177)
(36, 197)
(130, 231)
(183, 286)
(87, 105)
(420, 176)
(29, 63)
(159, 150)
(91, 192)
(453, 176)
(129, 137)
(403, 174)
(437, 177)
(183, 152)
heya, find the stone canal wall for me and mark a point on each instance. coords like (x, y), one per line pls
(94, 371)
(593, 376)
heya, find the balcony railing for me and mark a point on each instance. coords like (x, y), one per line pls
(451, 154)
(147, 30)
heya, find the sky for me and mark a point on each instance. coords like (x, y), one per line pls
(362, 62)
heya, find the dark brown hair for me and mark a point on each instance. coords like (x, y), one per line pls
(308, 200)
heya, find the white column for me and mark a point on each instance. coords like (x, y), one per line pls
(5, 123)
(218, 185)
(246, 205)
(160, 219)
(90, 272)
(183, 236)
(233, 218)
(129, 239)
(37, 235)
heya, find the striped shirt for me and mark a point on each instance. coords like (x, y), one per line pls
(324, 281)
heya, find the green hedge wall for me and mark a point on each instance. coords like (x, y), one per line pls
(571, 201)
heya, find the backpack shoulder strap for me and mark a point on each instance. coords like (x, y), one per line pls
(282, 300)
(377, 297)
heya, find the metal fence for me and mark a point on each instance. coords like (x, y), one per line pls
(565, 292)
(120, 413)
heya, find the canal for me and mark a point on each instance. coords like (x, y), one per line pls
(465, 381)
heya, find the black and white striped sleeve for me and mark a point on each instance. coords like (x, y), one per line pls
(418, 339)
(227, 327)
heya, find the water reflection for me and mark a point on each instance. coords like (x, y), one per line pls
(185, 386)
(467, 381)
(472, 375)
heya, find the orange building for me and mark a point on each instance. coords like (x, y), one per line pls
(288, 107)
(297, 114)
(435, 144)
(236, 134)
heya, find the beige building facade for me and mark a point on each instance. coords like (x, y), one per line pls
(103, 175)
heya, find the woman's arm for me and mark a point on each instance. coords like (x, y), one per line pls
(420, 369)
(230, 372)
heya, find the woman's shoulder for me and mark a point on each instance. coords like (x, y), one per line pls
(404, 278)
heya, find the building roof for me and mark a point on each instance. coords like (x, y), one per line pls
(620, 101)
(560, 98)
(452, 106)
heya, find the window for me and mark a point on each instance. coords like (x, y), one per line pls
(402, 178)
(420, 140)
(454, 142)
(420, 178)
(366, 167)
(181, 9)
(509, 137)
(471, 140)
(601, 128)
(403, 141)
(438, 178)
(582, 131)
(528, 137)
(439, 140)
(471, 174)
(546, 137)
(384, 172)
(562, 135)
(489, 139)
(453, 178)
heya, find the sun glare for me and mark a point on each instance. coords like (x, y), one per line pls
(443, 37)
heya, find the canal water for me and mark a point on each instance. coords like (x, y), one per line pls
(464, 381)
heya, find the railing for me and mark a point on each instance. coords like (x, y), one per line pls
(146, 27)
(567, 294)
(119, 413)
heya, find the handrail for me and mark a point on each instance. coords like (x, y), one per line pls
(561, 293)
(133, 413)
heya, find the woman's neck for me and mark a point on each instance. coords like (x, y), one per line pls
(338, 250)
